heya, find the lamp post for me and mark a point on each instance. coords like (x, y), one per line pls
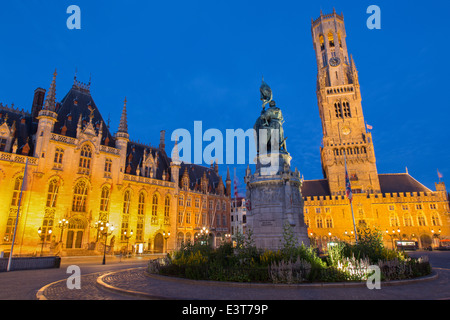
(128, 238)
(166, 236)
(105, 233)
(204, 235)
(43, 236)
(62, 225)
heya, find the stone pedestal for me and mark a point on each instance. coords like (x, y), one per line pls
(275, 200)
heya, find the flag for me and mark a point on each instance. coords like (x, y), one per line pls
(348, 187)
(440, 176)
(369, 127)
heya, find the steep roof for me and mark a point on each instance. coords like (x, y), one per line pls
(24, 127)
(312, 188)
(78, 101)
(400, 182)
(196, 172)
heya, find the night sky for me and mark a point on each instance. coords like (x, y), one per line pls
(183, 61)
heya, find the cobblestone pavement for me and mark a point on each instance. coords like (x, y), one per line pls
(136, 280)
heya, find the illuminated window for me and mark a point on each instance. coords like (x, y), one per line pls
(322, 42)
(329, 222)
(59, 154)
(435, 220)
(125, 215)
(330, 39)
(319, 223)
(85, 158)
(52, 193)
(154, 219)
(188, 217)
(108, 165)
(80, 197)
(393, 220)
(421, 220)
(140, 217)
(408, 220)
(167, 210)
(16, 191)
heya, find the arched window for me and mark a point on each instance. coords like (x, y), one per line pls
(322, 42)
(319, 223)
(80, 197)
(52, 193)
(108, 165)
(154, 209)
(167, 210)
(85, 158)
(140, 218)
(104, 199)
(421, 220)
(330, 39)
(435, 220)
(16, 191)
(346, 109)
(59, 154)
(407, 220)
(329, 222)
(125, 215)
(338, 109)
(393, 220)
(340, 40)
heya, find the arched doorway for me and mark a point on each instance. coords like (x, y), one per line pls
(158, 245)
(425, 241)
(75, 233)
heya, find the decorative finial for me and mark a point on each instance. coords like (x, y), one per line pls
(123, 126)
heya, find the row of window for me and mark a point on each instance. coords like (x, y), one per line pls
(188, 203)
(85, 160)
(200, 219)
(330, 38)
(418, 206)
(393, 221)
(342, 109)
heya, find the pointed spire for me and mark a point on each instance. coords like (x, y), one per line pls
(175, 152)
(123, 126)
(228, 174)
(50, 101)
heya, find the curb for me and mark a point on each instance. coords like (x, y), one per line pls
(101, 283)
(432, 276)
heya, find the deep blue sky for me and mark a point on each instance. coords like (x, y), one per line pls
(182, 61)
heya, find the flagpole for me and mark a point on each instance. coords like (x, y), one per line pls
(351, 202)
(17, 215)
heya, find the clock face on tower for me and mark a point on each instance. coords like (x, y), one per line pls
(334, 62)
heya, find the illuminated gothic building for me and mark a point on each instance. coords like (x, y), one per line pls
(397, 204)
(82, 177)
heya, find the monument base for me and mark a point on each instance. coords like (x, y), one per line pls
(275, 202)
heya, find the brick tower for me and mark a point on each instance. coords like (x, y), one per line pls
(339, 100)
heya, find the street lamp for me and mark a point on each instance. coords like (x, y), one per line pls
(204, 235)
(62, 225)
(165, 238)
(105, 233)
(128, 238)
(43, 236)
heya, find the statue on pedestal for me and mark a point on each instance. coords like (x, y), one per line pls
(269, 126)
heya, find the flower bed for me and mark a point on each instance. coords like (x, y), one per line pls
(291, 264)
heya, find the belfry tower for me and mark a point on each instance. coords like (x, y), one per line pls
(339, 99)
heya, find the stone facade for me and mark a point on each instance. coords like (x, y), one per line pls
(398, 205)
(80, 172)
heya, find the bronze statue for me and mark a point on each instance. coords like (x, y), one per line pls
(270, 120)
